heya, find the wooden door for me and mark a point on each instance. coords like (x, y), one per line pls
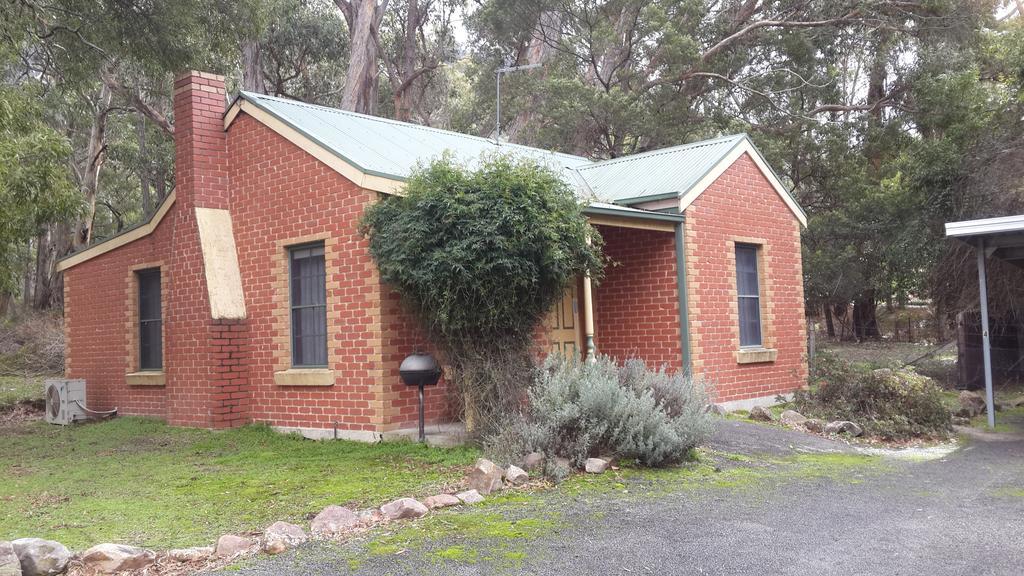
(564, 325)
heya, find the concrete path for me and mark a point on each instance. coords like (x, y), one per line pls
(959, 515)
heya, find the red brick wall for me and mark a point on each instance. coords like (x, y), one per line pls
(402, 336)
(99, 333)
(741, 206)
(282, 196)
(637, 303)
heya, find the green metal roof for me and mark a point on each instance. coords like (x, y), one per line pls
(387, 147)
(392, 149)
(664, 173)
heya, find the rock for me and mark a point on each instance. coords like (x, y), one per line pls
(370, 517)
(843, 426)
(470, 497)
(404, 508)
(1016, 402)
(717, 409)
(516, 476)
(275, 547)
(230, 545)
(441, 501)
(971, 404)
(9, 563)
(792, 418)
(40, 557)
(761, 413)
(533, 461)
(814, 425)
(595, 465)
(111, 558)
(333, 520)
(485, 477)
(961, 421)
(281, 536)
(197, 554)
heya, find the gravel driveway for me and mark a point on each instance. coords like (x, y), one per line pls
(962, 514)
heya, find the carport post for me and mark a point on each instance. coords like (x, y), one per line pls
(986, 353)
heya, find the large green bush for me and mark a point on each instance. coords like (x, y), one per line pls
(890, 404)
(579, 410)
(481, 256)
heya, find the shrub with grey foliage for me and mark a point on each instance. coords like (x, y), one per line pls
(579, 410)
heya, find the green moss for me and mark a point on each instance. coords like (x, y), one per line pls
(457, 554)
(139, 481)
(1009, 492)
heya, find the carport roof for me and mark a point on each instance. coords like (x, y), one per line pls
(1003, 236)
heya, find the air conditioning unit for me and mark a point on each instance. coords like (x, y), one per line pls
(65, 401)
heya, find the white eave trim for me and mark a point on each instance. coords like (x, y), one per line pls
(985, 226)
(118, 241)
(315, 149)
(743, 147)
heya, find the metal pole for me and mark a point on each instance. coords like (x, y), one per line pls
(985, 345)
(497, 107)
(423, 432)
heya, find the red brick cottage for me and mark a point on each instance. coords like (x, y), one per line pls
(249, 295)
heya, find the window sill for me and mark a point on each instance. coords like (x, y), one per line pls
(148, 378)
(756, 355)
(305, 377)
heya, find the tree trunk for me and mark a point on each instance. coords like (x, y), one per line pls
(252, 67)
(865, 323)
(404, 75)
(539, 51)
(829, 324)
(42, 297)
(361, 77)
(145, 185)
(96, 152)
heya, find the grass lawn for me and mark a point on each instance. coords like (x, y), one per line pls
(138, 481)
(14, 389)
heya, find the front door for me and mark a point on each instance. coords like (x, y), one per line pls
(564, 325)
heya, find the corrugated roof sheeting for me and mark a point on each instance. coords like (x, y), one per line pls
(392, 149)
(389, 148)
(658, 173)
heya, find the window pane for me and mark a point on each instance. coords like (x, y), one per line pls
(150, 353)
(150, 337)
(309, 310)
(746, 271)
(149, 295)
(750, 322)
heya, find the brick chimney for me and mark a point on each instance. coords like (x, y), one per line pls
(200, 150)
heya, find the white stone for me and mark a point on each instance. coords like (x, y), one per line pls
(470, 497)
(792, 418)
(516, 476)
(40, 557)
(334, 520)
(197, 554)
(441, 501)
(111, 558)
(843, 426)
(485, 477)
(403, 508)
(9, 563)
(290, 534)
(596, 465)
(230, 545)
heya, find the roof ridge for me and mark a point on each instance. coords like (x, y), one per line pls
(393, 122)
(660, 151)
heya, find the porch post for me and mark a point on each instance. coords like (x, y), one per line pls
(588, 318)
(985, 345)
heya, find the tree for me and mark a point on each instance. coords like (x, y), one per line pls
(35, 188)
(480, 257)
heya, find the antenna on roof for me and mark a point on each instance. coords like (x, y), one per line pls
(497, 96)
